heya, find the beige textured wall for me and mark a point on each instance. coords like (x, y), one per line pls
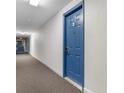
(95, 46)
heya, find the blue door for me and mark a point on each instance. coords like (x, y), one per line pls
(19, 47)
(74, 45)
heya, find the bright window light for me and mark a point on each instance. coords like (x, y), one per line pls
(34, 2)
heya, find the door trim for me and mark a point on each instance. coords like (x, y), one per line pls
(75, 8)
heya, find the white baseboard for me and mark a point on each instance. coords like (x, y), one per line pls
(69, 80)
(87, 90)
(73, 83)
(46, 65)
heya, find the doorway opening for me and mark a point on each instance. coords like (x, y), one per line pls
(22, 45)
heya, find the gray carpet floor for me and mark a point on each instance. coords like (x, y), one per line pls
(34, 77)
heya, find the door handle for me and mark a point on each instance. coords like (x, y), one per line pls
(67, 50)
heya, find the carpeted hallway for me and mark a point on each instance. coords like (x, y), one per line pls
(33, 77)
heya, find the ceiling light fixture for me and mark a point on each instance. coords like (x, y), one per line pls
(33, 2)
(23, 33)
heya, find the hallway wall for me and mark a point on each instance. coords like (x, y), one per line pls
(96, 46)
(47, 44)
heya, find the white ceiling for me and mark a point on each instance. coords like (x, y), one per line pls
(29, 17)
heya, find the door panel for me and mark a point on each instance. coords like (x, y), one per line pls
(74, 45)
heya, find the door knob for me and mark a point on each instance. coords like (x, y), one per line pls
(67, 50)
